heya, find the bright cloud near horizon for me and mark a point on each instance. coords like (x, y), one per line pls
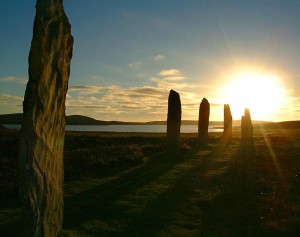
(128, 55)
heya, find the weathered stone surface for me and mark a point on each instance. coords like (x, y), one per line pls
(246, 127)
(227, 133)
(173, 120)
(43, 127)
(203, 122)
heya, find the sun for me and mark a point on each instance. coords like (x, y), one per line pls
(262, 93)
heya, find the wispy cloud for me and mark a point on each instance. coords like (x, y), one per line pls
(134, 65)
(174, 78)
(159, 57)
(168, 79)
(170, 73)
(115, 100)
(19, 80)
(168, 85)
(10, 104)
(8, 79)
(5, 98)
(86, 90)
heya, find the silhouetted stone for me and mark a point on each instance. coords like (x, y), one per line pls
(43, 127)
(227, 133)
(203, 122)
(173, 120)
(246, 127)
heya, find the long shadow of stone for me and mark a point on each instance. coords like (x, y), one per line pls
(100, 201)
(13, 228)
(214, 200)
(236, 211)
(181, 206)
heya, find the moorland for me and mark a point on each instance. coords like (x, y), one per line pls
(126, 184)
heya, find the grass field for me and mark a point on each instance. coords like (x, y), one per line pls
(127, 185)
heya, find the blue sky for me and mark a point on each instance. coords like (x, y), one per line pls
(128, 54)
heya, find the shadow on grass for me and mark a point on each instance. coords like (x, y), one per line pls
(235, 212)
(208, 191)
(99, 202)
(212, 190)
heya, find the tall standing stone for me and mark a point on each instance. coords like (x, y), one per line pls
(203, 122)
(227, 133)
(173, 120)
(43, 127)
(246, 127)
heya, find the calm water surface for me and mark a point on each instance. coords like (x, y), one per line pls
(126, 128)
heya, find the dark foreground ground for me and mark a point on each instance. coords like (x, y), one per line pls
(126, 185)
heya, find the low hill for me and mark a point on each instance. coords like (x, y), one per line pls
(211, 123)
(84, 120)
(79, 120)
(11, 118)
(70, 120)
(280, 125)
(3, 129)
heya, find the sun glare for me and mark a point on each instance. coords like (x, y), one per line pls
(263, 94)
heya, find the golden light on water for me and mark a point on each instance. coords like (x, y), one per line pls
(262, 93)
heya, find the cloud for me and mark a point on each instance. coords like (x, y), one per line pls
(10, 98)
(159, 57)
(86, 106)
(170, 73)
(178, 78)
(168, 85)
(137, 102)
(19, 80)
(86, 90)
(216, 105)
(97, 78)
(114, 102)
(10, 104)
(8, 79)
(149, 91)
(169, 78)
(134, 65)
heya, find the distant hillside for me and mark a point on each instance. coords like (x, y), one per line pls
(211, 123)
(84, 120)
(3, 129)
(280, 125)
(186, 122)
(79, 120)
(70, 120)
(11, 118)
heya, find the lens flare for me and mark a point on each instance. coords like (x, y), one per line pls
(263, 94)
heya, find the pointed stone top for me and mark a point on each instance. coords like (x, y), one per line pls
(204, 100)
(247, 113)
(173, 92)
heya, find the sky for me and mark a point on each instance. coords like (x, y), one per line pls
(128, 54)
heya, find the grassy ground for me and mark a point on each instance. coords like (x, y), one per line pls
(127, 185)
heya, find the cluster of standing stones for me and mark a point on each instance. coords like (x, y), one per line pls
(174, 123)
(43, 127)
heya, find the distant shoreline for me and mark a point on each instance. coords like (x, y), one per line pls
(17, 118)
(84, 120)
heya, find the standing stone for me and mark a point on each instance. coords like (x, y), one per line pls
(246, 127)
(173, 121)
(43, 127)
(203, 122)
(227, 133)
